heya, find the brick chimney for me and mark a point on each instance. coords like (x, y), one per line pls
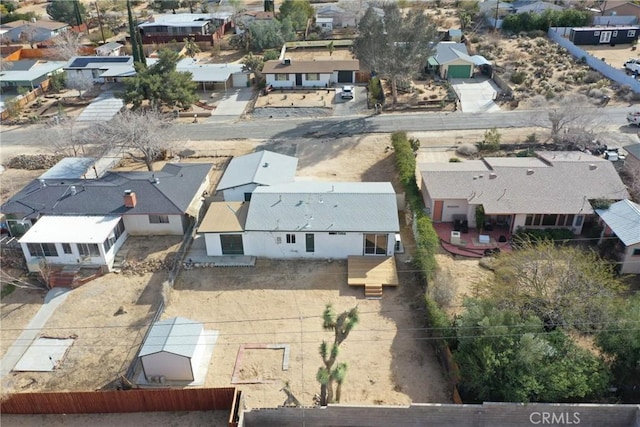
(129, 199)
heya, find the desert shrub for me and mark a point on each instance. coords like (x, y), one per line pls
(491, 140)
(474, 39)
(595, 93)
(550, 94)
(433, 96)
(592, 77)
(537, 33)
(623, 90)
(540, 42)
(442, 288)
(467, 149)
(518, 77)
(526, 153)
(454, 160)
(270, 55)
(532, 138)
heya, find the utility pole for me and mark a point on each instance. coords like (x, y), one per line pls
(100, 23)
(495, 24)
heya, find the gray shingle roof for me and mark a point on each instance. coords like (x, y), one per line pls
(171, 195)
(450, 51)
(555, 182)
(261, 167)
(176, 335)
(623, 218)
(324, 206)
(320, 66)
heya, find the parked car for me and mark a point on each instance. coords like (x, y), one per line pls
(634, 118)
(632, 66)
(347, 92)
(614, 155)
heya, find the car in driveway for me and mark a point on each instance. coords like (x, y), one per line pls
(347, 92)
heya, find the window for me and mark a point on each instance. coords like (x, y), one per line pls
(281, 77)
(279, 240)
(35, 249)
(615, 34)
(569, 222)
(631, 33)
(109, 242)
(579, 219)
(549, 219)
(636, 252)
(66, 248)
(596, 33)
(119, 229)
(528, 220)
(561, 220)
(313, 76)
(158, 219)
(291, 238)
(537, 219)
(88, 249)
(375, 244)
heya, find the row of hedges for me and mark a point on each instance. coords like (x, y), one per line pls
(536, 235)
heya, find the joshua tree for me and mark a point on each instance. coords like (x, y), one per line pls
(327, 374)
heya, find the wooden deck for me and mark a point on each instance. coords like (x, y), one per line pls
(372, 272)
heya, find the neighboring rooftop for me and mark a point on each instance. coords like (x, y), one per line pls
(70, 168)
(67, 229)
(49, 25)
(224, 217)
(321, 66)
(169, 191)
(262, 167)
(554, 182)
(26, 70)
(177, 335)
(184, 19)
(623, 218)
(324, 206)
(98, 61)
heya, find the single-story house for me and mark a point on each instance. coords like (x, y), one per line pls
(326, 24)
(245, 173)
(306, 220)
(632, 162)
(338, 16)
(622, 220)
(214, 76)
(29, 73)
(536, 6)
(604, 35)
(614, 21)
(289, 73)
(250, 17)
(201, 26)
(28, 31)
(109, 49)
(173, 350)
(621, 8)
(452, 61)
(551, 190)
(99, 68)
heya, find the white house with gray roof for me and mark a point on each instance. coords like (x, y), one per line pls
(551, 190)
(306, 220)
(245, 173)
(622, 220)
(452, 61)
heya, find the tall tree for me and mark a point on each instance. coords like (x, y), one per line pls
(163, 5)
(66, 45)
(143, 134)
(327, 374)
(563, 286)
(506, 356)
(161, 84)
(137, 48)
(66, 11)
(298, 11)
(395, 46)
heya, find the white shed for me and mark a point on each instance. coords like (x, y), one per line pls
(173, 350)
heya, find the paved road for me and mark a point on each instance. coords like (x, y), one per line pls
(328, 127)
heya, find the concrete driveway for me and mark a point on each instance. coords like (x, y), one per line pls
(476, 95)
(232, 104)
(101, 109)
(348, 107)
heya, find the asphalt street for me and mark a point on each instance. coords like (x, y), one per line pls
(331, 127)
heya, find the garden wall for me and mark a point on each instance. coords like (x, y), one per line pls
(559, 34)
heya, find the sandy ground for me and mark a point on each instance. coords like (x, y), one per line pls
(306, 98)
(613, 55)
(317, 54)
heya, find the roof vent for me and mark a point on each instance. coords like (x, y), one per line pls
(266, 165)
(156, 181)
(286, 61)
(592, 166)
(43, 183)
(73, 190)
(529, 171)
(493, 175)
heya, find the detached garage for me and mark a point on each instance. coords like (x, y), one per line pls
(173, 350)
(452, 61)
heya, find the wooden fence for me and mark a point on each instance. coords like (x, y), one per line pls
(28, 97)
(136, 400)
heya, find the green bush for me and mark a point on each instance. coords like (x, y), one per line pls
(536, 235)
(270, 55)
(518, 77)
(454, 160)
(375, 89)
(438, 320)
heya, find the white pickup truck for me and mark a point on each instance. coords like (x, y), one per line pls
(632, 66)
(633, 118)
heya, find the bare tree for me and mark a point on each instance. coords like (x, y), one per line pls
(80, 82)
(572, 119)
(62, 138)
(67, 45)
(28, 35)
(145, 135)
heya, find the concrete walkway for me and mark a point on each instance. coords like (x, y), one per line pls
(54, 298)
(101, 109)
(232, 106)
(476, 95)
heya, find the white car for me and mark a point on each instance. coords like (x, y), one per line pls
(347, 92)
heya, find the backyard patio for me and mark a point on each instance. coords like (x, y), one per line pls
(472, 243)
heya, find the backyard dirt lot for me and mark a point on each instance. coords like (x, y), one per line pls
(613, 55)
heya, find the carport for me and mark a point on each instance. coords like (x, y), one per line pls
(217, 76)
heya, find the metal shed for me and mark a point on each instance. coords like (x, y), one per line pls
(173, 350)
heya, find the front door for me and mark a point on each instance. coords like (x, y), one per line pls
(298, 79)
(231, 244)
(310, 242)
(605, 36)
(437, 211)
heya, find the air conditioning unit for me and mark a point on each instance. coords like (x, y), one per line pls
(286, 61)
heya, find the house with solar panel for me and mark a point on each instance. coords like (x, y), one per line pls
(306, 220)
(84, 68)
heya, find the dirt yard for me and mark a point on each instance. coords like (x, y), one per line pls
(537, 66)
(298, 98)
(318, 54)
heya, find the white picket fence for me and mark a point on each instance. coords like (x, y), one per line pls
(559, 34)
